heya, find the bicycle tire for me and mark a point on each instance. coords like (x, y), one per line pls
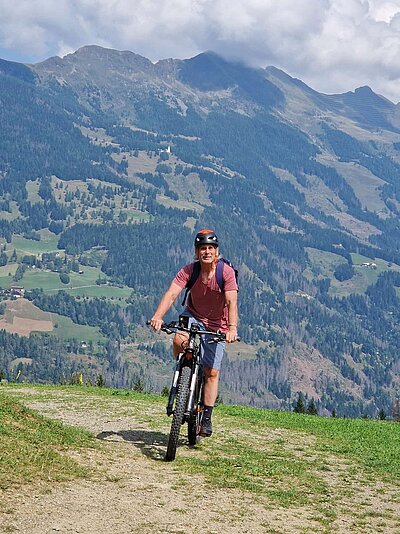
(192, 429)
(179, 412)
(194, 419)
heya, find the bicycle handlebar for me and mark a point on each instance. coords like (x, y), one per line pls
(174, 326)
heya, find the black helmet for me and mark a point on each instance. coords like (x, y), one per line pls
(205, 237)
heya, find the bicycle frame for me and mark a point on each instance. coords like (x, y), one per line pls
(190, 357)
(185, 396)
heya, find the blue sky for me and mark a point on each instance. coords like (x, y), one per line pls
(332, 45)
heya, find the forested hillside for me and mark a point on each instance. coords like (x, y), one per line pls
(109, 164)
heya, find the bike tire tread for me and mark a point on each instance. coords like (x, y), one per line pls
(179, 412)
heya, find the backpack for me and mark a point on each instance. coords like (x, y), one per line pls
(218, 275)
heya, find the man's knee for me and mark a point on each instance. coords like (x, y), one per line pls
(180, 343)
(211, 373)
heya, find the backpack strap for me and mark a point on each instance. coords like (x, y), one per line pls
(193, 277)
(219, 273)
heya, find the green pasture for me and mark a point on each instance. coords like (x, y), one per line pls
(323, 265)
(81, 285)
(108, 292)
(15, 213)
(364, 277)
(32, 188)
(179, 204)
(65, 328)
(6, 274)
(381, 265)
(137, 216)
(37, 278)
(23, 246)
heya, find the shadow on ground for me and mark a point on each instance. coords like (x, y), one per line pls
(152, 444)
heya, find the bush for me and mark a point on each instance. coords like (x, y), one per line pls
(64, 278)
(343, 272)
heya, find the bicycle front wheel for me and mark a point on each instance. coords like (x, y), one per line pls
(179, 413)
(195, 417)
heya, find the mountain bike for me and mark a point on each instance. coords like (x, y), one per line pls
(185, 401)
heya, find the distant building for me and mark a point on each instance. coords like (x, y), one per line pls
(17, 291)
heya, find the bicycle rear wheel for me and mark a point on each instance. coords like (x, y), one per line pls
(179, 412)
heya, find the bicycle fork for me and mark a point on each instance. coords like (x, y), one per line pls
(192, 391)
(174, 386)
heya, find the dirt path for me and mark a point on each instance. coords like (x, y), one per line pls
(133, 490)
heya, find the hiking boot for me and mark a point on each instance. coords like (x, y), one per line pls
(206, 428)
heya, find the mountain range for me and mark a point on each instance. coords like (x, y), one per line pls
(303, 189)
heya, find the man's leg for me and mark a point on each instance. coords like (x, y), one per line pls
(179, 343)
(211, 377)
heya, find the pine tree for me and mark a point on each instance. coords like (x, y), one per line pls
(299, 407)
(100, 382)
(138, 386)
(311, 408)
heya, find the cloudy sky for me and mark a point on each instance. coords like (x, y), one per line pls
(332, 45)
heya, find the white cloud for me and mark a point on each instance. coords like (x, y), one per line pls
(333, 45)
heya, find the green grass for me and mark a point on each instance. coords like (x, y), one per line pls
(6, 279)
(330, 467)
(179, 204)
(373, 445)
(46, 280)
(32, 188)
(323, 264)
(364, 277)
(137, 216)
(15, 213)
(24, 246)
(32, 447)
(67, 329)
(81, 285)
(290, 458)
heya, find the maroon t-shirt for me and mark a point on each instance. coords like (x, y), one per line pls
(206, 302)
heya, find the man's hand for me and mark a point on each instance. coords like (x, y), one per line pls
(231, 335)
(156, 323)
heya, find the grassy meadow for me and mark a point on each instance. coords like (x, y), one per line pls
(323, 265)
(80, 285)
(34, 449)
(337, 468)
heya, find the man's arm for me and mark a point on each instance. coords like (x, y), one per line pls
(168, 299)
(233, 316)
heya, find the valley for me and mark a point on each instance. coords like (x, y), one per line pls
(114, 173)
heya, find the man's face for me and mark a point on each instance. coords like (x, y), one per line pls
(207, 253)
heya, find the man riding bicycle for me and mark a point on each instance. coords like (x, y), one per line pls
(209, 306)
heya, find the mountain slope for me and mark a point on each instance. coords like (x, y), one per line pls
(303, 189)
